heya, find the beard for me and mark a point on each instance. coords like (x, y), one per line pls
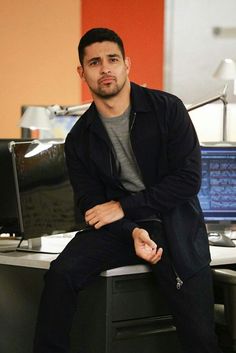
(109, 90)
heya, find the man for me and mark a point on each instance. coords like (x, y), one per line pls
(134, 164)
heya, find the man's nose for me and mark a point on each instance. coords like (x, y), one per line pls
(105, 68)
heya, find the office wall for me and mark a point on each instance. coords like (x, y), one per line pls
(194, 48)
(208, 122)
(140, 24)
(39, 49)
(38, 57)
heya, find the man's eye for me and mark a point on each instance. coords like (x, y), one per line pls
(113, 60)
(93, 63)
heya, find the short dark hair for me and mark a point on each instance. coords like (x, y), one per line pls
(95, 35)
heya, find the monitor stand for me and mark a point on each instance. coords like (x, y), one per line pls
(220, 226)
(226, 227)
(53, 244)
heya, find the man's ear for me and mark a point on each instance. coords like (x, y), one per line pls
(127, 64)
(80, 71)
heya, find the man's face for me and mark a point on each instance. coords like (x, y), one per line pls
(104, 69)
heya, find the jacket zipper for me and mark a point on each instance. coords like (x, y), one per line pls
(134, 117)
(110, 160)
(179, 281)
(111, 154)
(131, 127)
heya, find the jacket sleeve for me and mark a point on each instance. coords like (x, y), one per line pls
(88, 189)
(182, 176)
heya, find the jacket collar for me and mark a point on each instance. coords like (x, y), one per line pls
(139, 100)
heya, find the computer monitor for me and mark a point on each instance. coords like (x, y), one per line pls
(44, 194)
(218, 190)
(9, 221)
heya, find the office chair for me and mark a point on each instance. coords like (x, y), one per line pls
(225, 309)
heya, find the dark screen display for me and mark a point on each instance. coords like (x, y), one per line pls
(8, 205)
(46, 203)
(218, 190)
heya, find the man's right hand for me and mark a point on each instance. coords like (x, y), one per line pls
(145, 247)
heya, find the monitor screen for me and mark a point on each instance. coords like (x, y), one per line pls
(218, 190)
(8, 205)
(45, 197)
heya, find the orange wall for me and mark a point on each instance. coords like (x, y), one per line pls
(39, 49)
(38, 57)
(140, 25)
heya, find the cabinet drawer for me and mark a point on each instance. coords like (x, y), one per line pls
(147, 335)
(137, 297)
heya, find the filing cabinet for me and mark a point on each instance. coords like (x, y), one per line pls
(116, 314)
(124, 314)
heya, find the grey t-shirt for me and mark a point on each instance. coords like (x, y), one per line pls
(118, 131)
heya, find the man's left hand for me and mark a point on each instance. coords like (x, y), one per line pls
(103, 214)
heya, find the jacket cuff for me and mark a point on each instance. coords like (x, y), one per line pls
(123, 227)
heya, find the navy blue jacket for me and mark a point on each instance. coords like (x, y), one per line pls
(167, 152)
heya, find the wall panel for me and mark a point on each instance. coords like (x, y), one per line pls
(140, 24)
(38, 57)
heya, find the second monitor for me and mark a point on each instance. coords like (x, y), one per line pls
(44, 194)
(218, 190)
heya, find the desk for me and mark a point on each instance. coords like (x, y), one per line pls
(222, 255)
(124, 325)
(219, 255)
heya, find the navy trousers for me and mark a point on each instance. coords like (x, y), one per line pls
(94, 251)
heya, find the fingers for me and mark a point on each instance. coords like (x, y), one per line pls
(150, 255)
(103, 214)
(149, 242)
(92, 217)
(145, 247)
(157, 256)
(96, 220)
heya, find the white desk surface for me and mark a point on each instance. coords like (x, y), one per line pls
(219, 255)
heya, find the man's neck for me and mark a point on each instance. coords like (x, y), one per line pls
(114, 106)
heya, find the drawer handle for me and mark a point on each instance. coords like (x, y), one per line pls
(142, 330)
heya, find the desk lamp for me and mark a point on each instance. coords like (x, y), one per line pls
(36, 118)
(72, 110)
(226, 71)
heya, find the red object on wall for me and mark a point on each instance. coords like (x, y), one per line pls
(140, 24)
